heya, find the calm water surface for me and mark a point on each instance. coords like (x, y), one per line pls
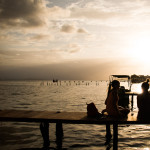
(64, 96)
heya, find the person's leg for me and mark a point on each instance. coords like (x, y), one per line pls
(44, 127)
(108, 133)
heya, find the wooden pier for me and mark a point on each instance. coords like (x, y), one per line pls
(69, 118)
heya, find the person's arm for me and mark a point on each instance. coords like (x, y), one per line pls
(106, 101)
(115, 100)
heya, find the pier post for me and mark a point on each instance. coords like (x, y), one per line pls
(115, 136)
(59, 130)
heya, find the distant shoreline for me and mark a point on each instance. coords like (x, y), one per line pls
(47, 80)
(139, 78)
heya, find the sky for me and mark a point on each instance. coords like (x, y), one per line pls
(74, 39)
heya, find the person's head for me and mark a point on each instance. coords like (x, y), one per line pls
(115, 84)
(147, 80)
(145, 86)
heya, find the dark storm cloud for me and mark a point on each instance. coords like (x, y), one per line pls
(25, 13)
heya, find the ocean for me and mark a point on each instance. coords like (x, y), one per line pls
(63, 96)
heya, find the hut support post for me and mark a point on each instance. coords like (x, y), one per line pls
(59, 130)
(59, 135)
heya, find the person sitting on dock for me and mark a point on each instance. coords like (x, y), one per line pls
(143, 102)
(112, 107)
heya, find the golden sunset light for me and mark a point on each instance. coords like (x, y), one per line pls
(74, 74)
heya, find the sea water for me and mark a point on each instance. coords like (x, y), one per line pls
(63, 96)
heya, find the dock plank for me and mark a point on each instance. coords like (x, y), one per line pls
(65, 117)
(36, 116)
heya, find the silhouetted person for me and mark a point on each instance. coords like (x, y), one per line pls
(147, 80)
(143, 102)
(44, 127)
(112, 107)
(123, 98)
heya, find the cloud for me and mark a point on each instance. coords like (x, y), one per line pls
(4, 37)
(68, 28)
(37, 13)
(30, 57)
(81, 30)
(111, 13)
(56, 12)
(72, 48)
(24, 13)
(39, 37)
(81, 70)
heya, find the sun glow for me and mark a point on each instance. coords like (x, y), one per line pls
(140, 49)
(137, 88)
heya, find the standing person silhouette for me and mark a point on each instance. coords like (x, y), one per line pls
(143, 102)
(112, 107)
